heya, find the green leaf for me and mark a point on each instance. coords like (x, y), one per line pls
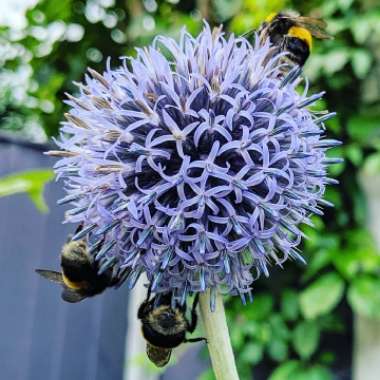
(358, 254)
(335, 60)
(289, 305)
(306, 338)
(344, 4)
(364, 296)
(208, 375)
(360, 29)
(347, 262)
(286, 371)
(237, 336)
(251, 353)
(354, 153)
(322, 295)
(361, 62)
(260, 332)
(364, 128)
(278, 350)
(372, 164)
(316, 372)
(261, 307)
(294, 370)
(31, 182)
(327, 357)
(278, 327)
(331, 322)
(225, 9)
(319, 260)
(363, 244)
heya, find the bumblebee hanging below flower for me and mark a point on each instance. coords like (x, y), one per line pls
(292, 33)
(82, 276)
(164, 326)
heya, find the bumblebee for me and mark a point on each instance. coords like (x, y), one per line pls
(81, 276)
(164, 326)
(293, 34)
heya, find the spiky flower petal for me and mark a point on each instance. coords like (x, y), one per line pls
(195, 162)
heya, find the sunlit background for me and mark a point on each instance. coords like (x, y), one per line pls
(317, 322)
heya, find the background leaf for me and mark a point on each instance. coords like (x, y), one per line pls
(285, 371)
(364, 296)
(306, 338)
(290, 305)
(31, 182)
(322, 295)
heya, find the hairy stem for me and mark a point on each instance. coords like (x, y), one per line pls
(218, 338)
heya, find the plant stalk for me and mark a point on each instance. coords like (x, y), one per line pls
(218, 338)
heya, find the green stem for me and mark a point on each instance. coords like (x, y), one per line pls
(218, 338)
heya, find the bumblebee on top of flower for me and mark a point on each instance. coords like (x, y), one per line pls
(291, 33)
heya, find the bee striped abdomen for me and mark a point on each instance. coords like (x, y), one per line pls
(302, 34)
(74, 285)
(159, 339)
(158, 355)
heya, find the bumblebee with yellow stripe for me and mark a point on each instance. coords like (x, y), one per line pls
(80, 277)
(293, 34)
(164, 326)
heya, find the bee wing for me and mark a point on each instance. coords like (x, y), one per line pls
(316, 26)
(51, 275)
(318, 22)
(160, 356)
(72, 296)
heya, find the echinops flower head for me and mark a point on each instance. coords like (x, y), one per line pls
(195, 162)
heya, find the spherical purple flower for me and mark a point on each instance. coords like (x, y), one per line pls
(194, 162)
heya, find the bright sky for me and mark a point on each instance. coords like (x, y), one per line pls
(12, 12)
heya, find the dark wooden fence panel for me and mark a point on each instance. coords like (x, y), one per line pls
(42, 337)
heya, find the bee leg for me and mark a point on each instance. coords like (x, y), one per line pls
(194, 340)
(149, 292)
(146, 304)
(194, 317)
(193, 322)
(142, 310)
(70, 236)
(79, 228)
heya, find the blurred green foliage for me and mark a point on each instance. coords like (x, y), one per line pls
(30, 182)
(295, 310)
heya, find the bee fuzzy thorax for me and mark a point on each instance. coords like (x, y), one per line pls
(75, 250)
(166, 320)
(301, 33)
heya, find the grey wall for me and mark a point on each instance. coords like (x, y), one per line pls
(42, 337)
